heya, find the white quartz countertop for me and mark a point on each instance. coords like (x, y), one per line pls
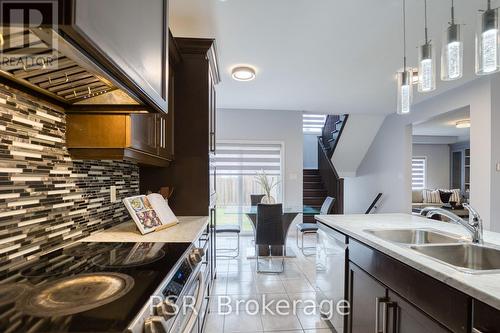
(484, 287)
(187, 230)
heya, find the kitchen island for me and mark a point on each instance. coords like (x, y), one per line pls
(389, 284)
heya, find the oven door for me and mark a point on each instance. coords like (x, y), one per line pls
(190, 307)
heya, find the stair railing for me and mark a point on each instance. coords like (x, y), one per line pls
(374, 204)
(333, 183)
(332, 130)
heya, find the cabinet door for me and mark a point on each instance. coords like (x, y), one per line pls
(144, 133)
(134, 42)
(365, 296)
(403, 317)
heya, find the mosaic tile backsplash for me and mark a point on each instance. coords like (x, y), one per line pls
(48, 200)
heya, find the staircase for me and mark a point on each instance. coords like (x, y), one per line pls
(314, 192)
(332, 130)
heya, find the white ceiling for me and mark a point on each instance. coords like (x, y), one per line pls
(445, 125)
(325, 56)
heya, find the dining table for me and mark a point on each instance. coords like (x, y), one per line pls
(289, 214)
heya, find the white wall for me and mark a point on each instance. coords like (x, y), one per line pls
(270, 125)
(356, 138)
(438, 164)
(386, 167)
(311, 151)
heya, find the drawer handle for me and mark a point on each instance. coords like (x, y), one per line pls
(378, 301)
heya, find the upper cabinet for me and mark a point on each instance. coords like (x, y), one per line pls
(133, 46)
(93, 56)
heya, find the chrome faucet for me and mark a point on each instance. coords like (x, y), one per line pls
(474, 225)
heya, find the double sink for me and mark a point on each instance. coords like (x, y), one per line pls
(450, 249)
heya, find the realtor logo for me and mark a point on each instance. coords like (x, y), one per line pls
(27, 38)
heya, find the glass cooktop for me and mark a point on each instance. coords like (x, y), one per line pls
(88, 287)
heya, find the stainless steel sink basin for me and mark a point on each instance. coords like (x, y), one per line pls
(468, 256)
(414, 236)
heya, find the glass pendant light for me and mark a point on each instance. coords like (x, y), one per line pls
(405, 77)
(453, 51)
(426, 63)
(487, 42)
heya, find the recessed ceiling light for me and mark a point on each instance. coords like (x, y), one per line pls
(243, 73)
(463, 123)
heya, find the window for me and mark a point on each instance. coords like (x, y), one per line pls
(237, 165)
(313, 123)
(418, 172)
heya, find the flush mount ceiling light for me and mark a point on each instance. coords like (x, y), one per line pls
(465, 123)
(243, 73)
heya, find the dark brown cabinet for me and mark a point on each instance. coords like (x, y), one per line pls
(141, 138)
(133, 48)
(403, 317)
(375, 308)
(485, 318)
(365, 294)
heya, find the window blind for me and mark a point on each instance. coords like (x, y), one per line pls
(248, 158)
(418, 173)
(313, 123)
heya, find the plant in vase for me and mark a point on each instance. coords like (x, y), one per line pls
(268, 184)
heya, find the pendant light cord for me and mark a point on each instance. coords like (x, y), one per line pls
(425, 22)
(452, 12)
(404, 35)
(489, 4)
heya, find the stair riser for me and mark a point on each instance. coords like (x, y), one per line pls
(311, 172)
(313, 185)
(314, 193)
(309, 178)
(313, 201)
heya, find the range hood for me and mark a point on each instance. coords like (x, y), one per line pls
(68, 78)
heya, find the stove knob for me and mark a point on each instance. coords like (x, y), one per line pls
(166, 309)
(196, 256)
(154, 325)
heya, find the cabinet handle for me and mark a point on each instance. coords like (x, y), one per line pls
(385, 316)
(378, 301)
(212, 141)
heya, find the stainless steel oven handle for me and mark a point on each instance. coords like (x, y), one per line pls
(197, 305)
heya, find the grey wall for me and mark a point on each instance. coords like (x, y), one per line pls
(48, 200)
(311, 151)
(269, 125)
(438, 164)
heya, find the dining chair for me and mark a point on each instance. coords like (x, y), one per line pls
(312, 228)
(229, 252)
(255, 199)
(269, 232)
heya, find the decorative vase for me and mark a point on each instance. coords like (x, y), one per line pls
(268, 199)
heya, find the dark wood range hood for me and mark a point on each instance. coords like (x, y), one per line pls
(82, 66)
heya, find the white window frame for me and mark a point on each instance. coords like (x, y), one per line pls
(424, 159)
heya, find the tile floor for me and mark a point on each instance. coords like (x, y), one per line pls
(237, 279)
